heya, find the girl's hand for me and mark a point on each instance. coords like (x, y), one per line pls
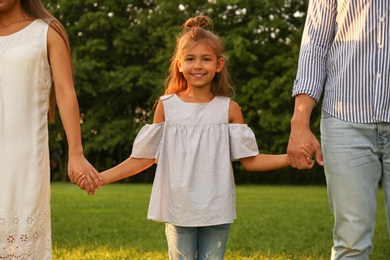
(308, 152)
(80, 181)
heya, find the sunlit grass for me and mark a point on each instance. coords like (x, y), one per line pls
(274, 222)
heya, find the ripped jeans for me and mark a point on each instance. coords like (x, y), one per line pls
(190, 243)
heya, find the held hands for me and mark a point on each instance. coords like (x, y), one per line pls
(308, 152)
(302, 147)
(80, 181)
(82, 173)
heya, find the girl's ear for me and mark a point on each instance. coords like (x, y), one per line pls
(178, 64)
(220, 64)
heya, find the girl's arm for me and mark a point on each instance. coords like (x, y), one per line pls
(159, 116)
(235, 114)
(61, 66)
(125, 169)
(132, 166)
(264, 162)
(260, 162)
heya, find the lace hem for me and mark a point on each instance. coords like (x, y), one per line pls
(25, 234)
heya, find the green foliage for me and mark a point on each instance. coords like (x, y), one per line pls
(273, 222)
(121, 52)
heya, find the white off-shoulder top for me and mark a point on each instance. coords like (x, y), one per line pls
(194, 182)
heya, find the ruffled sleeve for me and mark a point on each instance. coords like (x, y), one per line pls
(147, 143)
(242, 142)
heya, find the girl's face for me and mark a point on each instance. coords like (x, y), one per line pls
(199, 65)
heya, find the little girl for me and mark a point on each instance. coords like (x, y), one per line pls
(197, 131)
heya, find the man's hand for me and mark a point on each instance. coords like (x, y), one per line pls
(300, 145)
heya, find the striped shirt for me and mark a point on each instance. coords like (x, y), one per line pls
(345, 53)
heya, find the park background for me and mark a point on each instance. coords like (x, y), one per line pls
(121, 52)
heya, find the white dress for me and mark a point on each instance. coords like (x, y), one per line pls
(25, 81)
(194, 182)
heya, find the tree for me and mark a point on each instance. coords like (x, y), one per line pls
(121, 52)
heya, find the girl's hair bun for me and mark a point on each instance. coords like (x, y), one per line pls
(200, 21)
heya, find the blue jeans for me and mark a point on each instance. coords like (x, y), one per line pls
(356, 159)
(189, 243)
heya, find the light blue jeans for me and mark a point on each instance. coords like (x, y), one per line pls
(356, 159)
(189, 243)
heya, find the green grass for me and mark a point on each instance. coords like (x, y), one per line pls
(274, 222)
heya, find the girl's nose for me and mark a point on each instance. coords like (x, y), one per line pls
(198, 64)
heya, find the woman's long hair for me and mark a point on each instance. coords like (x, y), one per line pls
(36, 9)
(196, 30)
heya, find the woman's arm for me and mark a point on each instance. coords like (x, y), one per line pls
(61, 66)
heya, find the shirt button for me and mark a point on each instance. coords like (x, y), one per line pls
(379, 76)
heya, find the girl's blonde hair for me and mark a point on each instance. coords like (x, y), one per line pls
(197, 30)
(36, 9)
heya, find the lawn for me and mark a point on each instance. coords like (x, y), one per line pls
(274, 222)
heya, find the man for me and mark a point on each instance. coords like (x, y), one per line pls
(345, 56)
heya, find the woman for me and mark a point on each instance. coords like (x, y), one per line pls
(34, 56)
